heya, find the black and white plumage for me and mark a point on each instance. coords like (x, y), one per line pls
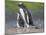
(24, 17)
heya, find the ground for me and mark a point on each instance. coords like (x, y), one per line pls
(31, 29)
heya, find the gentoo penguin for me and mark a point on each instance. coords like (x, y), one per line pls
(24, 16)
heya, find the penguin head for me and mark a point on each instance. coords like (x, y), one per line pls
(21, 4)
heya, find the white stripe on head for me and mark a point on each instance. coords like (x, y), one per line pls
(20, 3)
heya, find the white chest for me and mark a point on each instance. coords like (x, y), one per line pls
(23, 16)
(21, 11)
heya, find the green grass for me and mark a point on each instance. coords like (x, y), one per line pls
(12, 6)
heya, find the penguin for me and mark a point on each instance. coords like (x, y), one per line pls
(24, 16)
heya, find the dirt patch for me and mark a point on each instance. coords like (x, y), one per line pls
(31, 29)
